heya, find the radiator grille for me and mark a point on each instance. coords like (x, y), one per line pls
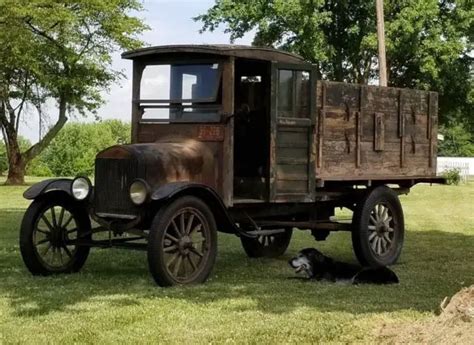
(112, 181)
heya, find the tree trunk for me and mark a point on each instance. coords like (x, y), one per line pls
(16, 167)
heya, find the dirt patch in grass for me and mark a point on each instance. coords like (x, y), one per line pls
(454, 324)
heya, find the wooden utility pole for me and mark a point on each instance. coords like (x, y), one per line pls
(381, 43)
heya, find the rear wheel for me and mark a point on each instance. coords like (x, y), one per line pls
(48, 231)
(182, 245)
(378, 228)
(269, 246)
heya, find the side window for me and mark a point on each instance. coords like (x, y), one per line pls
(302, 94)
(293, 93)
(285, 91)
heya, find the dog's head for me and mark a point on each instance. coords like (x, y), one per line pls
(311, 262)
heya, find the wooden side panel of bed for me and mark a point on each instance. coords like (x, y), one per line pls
(370, 132)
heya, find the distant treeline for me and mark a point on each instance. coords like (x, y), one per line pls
(73, 150)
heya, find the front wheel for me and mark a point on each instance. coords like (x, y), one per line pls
(48, 231)
(378, 228)
(182, 245)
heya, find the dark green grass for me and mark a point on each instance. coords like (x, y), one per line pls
(113, 300)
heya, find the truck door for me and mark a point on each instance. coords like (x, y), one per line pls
(292, 147)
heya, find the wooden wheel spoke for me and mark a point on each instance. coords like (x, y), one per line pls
(190, 224)
(46, 221)
(170, 249)
(42, 241)
(383, 246)
(387, 238)
(191, 262)
(47, 233)
(61, 217)
(182, 226)
(171, 237)
(61, 255)
(372, 236)
(173, 259)
(373, 220)
(71, 231)
(68, 252)
(68, 221)
(372, 227)
(195, 251)
(178, 265)
(53, 216)
(47, 249)
(176, 229)
(374, 244)
(385, 213)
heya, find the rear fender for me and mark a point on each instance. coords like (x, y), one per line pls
(174, 190)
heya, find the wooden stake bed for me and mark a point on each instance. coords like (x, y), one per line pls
(375, 133)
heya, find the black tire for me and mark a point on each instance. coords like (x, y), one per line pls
(271, 246)
(183, 253)
(378, 228)
(45, 256)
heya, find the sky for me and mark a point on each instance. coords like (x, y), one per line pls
(171, 23)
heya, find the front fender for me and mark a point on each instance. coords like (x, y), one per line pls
(172, 190)
(47, 186)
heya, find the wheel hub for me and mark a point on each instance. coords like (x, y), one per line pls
(185, 244)
(57, 237)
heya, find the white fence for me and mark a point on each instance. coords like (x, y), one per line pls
(465, 165)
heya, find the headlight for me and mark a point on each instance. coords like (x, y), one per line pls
(81, 188)
(138, 192)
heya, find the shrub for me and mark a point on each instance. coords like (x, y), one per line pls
(452, 176)
(37, 167)
(73, 150)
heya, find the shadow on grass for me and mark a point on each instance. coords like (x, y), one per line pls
(434, 264)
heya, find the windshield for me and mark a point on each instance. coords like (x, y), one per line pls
(192, 83)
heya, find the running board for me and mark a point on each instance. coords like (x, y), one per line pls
(255, 233)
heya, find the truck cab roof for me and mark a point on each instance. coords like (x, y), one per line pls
(206, 50)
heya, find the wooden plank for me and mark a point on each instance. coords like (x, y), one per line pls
(291, 186)
(293, 139)
(227, 155)
(358, 137)
(291, 160)
(379, 132)
(321, 125)
(292, 172)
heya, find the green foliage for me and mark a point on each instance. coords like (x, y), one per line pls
(458, 142)
(38, 167)
(61, 52)
(429, 42)
(73, 151)
(452, 176)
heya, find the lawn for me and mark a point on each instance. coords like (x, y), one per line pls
(113, 299)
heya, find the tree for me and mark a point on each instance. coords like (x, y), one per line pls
(60, 51)
(429, 42)
(73, 150)
(457, 142)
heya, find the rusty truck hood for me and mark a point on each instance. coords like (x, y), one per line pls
(167, 161)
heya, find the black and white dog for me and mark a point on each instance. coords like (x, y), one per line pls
(317, 266)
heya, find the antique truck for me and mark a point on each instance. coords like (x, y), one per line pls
(241, 140)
